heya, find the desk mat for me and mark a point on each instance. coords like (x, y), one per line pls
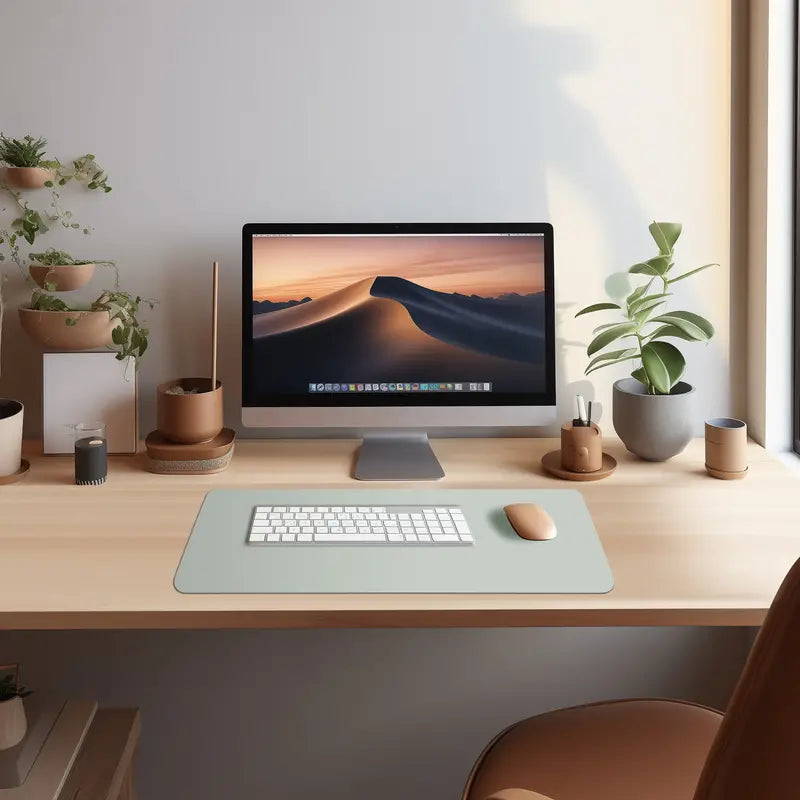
(217, 560)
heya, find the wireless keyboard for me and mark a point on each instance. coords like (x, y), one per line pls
(389, 525)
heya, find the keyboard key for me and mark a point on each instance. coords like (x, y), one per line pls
(348, 537)
(257, 537)
(280, 529)
(306, 509)
(395, 537)
(279, 509)
(445, 537)
(305, 537)
(294, 529)
(273, 537)
(466, 537)
(294, 508)
(462, 527)
(287, 537)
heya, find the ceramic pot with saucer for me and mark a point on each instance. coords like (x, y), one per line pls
(13, 722)
(11, 414)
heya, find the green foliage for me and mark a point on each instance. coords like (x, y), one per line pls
(9, 688)
(46, 302)
(129, 335)
(84, 170)
(25, 152)
(646, 324)
(53, 258)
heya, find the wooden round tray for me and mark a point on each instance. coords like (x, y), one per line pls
(552, 464)
(163, 450)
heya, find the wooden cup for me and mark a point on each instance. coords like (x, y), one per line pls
(581, 448)
(726, 447)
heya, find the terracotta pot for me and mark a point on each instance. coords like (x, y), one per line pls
(189, 418)
(28, 177)
(49, 328)
(64, 277)
(13, 723)
(11, 413)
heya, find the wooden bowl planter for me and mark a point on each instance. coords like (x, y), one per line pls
(28, 177)
(62, 277)
(49, 328)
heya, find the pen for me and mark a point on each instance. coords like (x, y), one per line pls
(581, 409)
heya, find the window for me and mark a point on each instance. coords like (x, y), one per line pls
(796, 292)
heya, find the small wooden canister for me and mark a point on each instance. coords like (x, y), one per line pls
(726, 448)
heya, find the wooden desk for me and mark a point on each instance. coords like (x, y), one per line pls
(685, 549)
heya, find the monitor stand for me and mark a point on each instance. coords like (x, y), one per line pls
(397, 456)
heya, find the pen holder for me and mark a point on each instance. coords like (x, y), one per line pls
(581, 447)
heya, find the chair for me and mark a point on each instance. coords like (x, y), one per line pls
(663, 749)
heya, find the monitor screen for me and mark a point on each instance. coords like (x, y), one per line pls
(397, 317)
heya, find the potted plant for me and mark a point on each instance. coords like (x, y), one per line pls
(11, 415)
(13, 723)
(109, 321)
(652, 410)
(24, 164)
(57, 271)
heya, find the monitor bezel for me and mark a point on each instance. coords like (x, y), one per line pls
(429, 400)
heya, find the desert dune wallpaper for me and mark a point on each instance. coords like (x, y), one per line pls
(412, 309)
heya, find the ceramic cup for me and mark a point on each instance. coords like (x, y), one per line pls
(11, 413)
(581, 447)
(726, 447)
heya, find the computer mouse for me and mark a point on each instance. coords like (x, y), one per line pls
(531, 522)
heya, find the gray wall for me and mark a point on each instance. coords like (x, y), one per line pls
(356, 715)
(595, 116)
(598, 117)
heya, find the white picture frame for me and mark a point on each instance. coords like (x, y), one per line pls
(83, 387)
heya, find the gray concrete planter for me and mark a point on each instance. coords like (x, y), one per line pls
(654, 427)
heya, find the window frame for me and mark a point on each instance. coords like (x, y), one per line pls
(796, 253)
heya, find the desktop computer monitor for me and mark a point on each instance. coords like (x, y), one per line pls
(395, 330)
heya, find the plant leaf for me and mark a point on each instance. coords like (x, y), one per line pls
(604, 327)
(643, 268)
(609, 335)
(637, 293)
(691, 272)
(617, 357)
(670, 330)
(665, 234)
(640, 375)
(664, 365)
(699, 328)
(623, 355)
(597, 307)
(636, 305)
(643, 313)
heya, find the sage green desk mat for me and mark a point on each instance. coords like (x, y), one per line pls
(217, 559)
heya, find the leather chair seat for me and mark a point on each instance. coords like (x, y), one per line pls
(625, 750)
